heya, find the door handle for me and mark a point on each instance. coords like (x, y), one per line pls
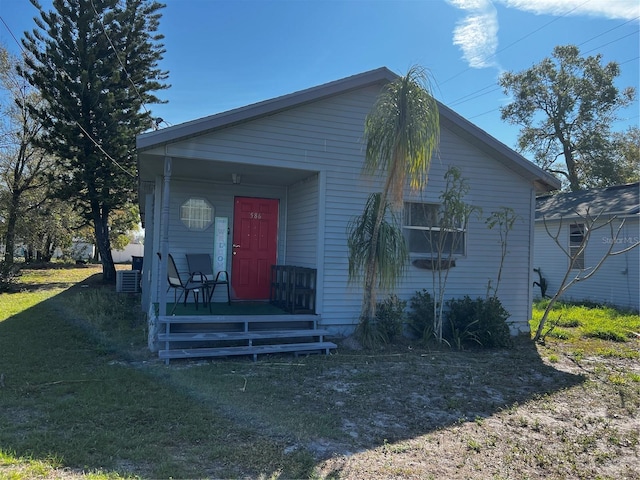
(235, 246)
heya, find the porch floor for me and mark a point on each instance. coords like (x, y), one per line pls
(222, 308)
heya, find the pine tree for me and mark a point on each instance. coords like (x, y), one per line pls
(95, 63)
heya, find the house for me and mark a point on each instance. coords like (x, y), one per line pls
(563, 215)
(278, 181)
(133, 249)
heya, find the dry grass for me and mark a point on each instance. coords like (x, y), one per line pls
(568, 409)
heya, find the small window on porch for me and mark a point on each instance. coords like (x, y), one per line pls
(196, 213)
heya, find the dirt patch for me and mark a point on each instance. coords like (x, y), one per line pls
(504, 414)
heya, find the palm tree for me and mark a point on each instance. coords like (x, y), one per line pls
(401, 133)
(391, 249)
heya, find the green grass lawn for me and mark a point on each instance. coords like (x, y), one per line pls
(72, 396)
(82, 397)
(590, 328)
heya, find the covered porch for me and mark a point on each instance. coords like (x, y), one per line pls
(265, 315)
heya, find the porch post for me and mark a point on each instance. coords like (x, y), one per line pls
(164, 237)
(149, 280)
(162, 264)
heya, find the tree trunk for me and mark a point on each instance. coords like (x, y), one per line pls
(100, 220)
(47, 248)
(369, 297)
(572, 171)
(10, 236)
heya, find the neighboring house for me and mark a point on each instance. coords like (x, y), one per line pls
(616, 282)
(278, 182)
(132, 249)
(84, 251)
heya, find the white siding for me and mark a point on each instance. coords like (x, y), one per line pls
(491, 188)
(323, 134)
(325, 138)
(302, 223)
(221, 197)
(616, 282)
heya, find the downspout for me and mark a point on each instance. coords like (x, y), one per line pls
(532, 221)
(320, 242)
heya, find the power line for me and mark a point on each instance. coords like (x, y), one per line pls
(103, 151)
(474, 95)
(520, 39)
(115, 52)
(481, 92)
(630, 60)
(464, 99)
(612, 41)
(84, 131)
(10, 32)
(607, 31)
(484, 113)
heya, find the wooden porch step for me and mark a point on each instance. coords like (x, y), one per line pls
(251, 335)
(246, 350)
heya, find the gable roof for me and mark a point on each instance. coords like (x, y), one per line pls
(621, 200)
(543, 181)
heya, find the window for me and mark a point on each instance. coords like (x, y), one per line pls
(425, 234)
(576, 237)
(196, 214)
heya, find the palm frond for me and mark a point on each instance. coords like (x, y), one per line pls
(391, 252)
(402, 132)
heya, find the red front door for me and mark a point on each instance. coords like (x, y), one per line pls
(255, 237)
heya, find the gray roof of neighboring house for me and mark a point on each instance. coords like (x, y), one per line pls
(543, 181)
(621, 200)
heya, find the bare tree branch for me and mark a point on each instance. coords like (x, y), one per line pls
(590, 226)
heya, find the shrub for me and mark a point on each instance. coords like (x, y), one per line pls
(368, 333)
(480, 322)
(390, 317)
(386, 325)
(420, 316)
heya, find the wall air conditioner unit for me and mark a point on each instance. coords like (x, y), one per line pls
(127, 281)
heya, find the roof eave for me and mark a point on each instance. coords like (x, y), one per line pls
(543, 181)
(229, 118)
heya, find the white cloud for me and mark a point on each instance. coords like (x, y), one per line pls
(614, 9)
(469, 4)
(477, 34)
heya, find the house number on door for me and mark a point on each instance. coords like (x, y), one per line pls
(255, 215)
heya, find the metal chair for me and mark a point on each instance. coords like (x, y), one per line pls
(176, 282)
(201, 269)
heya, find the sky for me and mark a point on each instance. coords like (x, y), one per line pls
(223, 54)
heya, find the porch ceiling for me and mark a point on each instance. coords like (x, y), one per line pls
(220, 172)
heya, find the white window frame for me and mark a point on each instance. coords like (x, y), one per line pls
(576, 235)
(196, 213)
(410, 228)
